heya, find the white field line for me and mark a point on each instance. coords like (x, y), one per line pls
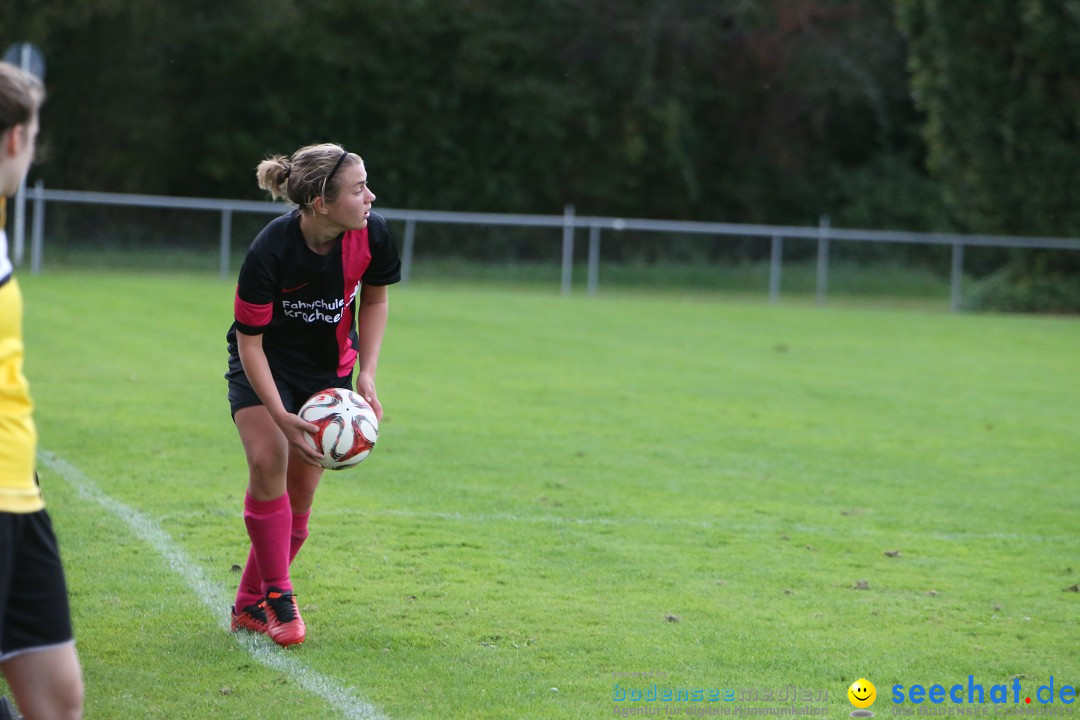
(217, 600)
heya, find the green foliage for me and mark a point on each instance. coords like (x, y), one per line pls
(999, 84)
(778, 111)
(1030, 287)
(706, 110)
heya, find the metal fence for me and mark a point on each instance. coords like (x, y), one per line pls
(569, 223)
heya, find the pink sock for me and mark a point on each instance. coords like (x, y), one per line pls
(250, 591)
(269, 523)
(299, 533)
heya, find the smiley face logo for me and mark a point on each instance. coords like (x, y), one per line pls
(862, 693)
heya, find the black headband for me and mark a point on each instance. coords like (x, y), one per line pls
(344, 154)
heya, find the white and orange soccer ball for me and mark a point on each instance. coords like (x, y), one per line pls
(348, 427)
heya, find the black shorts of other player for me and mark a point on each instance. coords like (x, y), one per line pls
(34, 613)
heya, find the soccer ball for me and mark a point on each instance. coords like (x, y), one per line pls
(348, 427)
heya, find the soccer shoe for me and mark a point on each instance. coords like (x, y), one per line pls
(283, 621)
(250, 618)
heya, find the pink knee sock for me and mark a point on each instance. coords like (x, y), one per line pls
(299, 533)
(250, 591)
(269, 525)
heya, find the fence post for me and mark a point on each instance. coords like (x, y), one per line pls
(37, 237)
(594, 258)
(567, 248)
(957, 277)
(226, 242)
(823, 260)
(407, 250)
(775, 264)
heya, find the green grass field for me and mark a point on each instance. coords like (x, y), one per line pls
(739, 496)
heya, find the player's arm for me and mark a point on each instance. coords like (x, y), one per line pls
(257, 369)
(372, 314)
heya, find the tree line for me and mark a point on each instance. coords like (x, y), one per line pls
(948, 115)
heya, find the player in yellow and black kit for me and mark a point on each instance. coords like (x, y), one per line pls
(37, 649)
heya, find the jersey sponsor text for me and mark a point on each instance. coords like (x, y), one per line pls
(314, 311)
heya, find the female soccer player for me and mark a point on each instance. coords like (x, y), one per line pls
(37, 650)
(311, 304)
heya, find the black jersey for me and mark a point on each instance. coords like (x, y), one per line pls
(303, 303)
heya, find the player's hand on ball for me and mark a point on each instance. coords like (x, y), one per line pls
(366, 389)
(297, 430)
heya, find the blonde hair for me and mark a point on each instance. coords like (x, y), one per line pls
(21, 95)
(302, 178)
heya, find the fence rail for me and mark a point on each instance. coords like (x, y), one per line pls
(568, 222)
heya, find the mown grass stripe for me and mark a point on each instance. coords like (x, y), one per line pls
(213, 595)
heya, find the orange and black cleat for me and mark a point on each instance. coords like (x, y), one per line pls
(250, 618)
(284, 624)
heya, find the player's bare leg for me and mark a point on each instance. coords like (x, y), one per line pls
(46, 684)
(268, 516)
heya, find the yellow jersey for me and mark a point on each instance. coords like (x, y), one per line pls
(19, 492)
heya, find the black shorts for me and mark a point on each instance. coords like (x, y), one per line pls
(34, 611)
(294, 390)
